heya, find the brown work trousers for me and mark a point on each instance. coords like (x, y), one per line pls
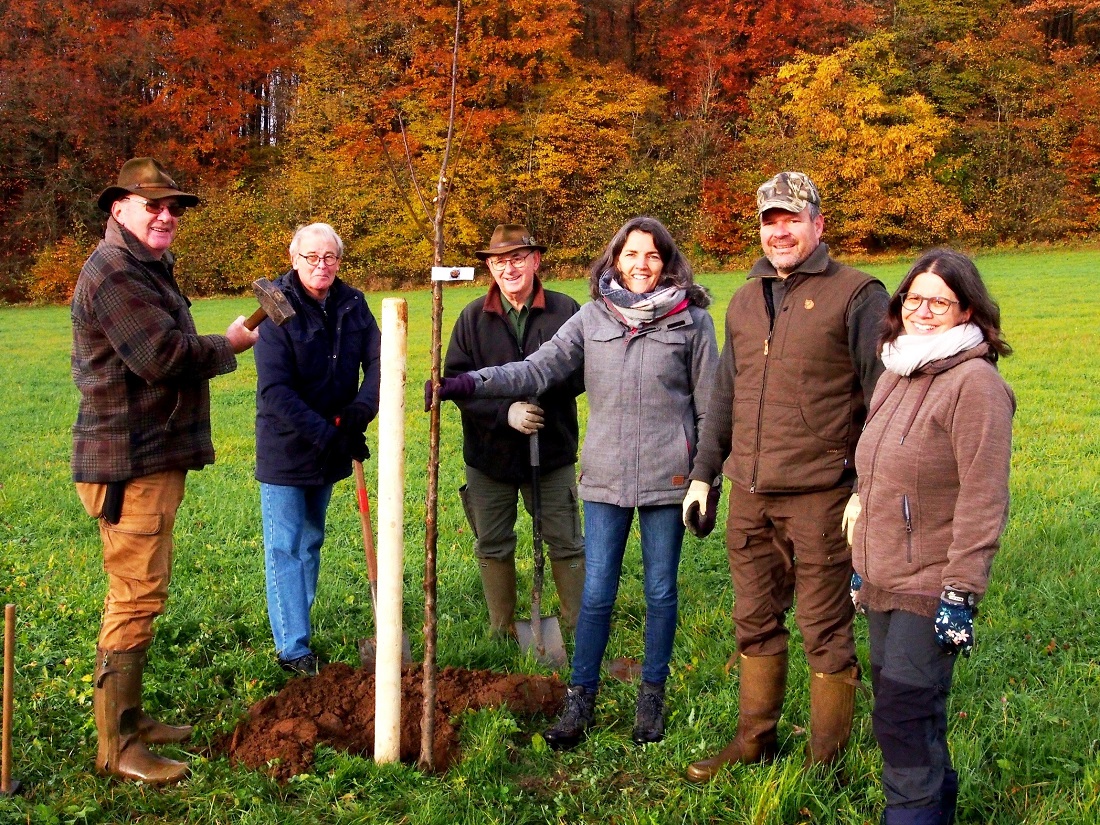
(137, 555)
(790, 549)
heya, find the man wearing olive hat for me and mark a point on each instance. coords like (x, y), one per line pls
(507, 324)
(802, 350)
(144, 420)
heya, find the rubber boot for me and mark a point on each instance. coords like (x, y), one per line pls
(649, 717)
(498, 578)
(118, 715)
(832, 703)
(572, 726)
(153, 732)
(763, 683)
(569, 579)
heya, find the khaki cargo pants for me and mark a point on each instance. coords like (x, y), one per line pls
(137, 555)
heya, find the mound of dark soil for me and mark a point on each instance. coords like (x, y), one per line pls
(336, 708)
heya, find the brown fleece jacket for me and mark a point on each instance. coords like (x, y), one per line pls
(933, 465)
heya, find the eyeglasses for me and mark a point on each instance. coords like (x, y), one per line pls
(328, 259)
(517, 260)
(156, 207)
(911, 302)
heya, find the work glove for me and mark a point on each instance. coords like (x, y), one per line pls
(853, 591)
(955, 621)
(851, 512)
(525, 417)
(450, 389)
(355, 417)
(348, 443)
(112, 502)
(701, 508)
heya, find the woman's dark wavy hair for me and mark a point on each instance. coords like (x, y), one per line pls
(677, 271)
(960, 274)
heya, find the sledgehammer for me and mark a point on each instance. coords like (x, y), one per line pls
(273, 305)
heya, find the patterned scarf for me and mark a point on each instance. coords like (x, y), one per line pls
(637, 309)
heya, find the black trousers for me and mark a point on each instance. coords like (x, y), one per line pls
(911, 677)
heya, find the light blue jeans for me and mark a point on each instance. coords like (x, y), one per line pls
(607, 528)
(294, 528)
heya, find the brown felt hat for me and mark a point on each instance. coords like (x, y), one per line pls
(508, 237)
(149, 179)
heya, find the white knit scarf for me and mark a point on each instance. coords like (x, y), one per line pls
(908, 353)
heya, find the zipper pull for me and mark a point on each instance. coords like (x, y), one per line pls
(766, 347)
(906, 514)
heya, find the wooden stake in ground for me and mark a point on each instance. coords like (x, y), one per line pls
(391, 519)
(8, 786)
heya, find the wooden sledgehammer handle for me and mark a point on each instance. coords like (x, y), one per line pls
(255, 319)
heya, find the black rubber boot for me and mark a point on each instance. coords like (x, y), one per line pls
(572, 726)
(649, 718)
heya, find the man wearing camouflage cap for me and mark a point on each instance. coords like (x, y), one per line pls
(802, 350)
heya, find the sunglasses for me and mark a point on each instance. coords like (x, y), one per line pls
(156, 207)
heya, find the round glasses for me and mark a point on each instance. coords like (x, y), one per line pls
(328, 259)
(156, 207)
(518, 259)
(911, 302)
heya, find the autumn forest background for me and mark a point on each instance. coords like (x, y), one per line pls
(923, 121)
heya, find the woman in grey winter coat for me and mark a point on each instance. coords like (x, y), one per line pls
(648, 350)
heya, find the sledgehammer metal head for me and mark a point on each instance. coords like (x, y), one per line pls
(273, 305)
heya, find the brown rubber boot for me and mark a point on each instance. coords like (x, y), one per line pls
(569, 579)
(763, 683)
(832, 704)
(154, 732)
(498, 578)
(118, 714)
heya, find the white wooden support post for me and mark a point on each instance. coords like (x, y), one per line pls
(391, 514)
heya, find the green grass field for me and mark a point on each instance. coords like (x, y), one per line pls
(1025, 709)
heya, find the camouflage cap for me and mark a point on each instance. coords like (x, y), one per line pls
(789, 191)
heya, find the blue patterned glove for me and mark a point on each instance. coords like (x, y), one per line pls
(857, 583)
(955, 621)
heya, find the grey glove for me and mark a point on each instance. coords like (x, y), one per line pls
(525, 417)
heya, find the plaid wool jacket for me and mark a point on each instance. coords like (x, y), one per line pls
(142, 370)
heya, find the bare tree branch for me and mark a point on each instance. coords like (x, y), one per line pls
(420, 221)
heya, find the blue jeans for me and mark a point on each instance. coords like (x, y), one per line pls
(294, 527)
(606, 530)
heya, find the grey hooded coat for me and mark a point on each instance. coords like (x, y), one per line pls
(647, 394)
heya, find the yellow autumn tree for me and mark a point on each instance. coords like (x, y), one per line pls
(853, 122)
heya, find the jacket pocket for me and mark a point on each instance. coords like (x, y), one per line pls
(907, 520)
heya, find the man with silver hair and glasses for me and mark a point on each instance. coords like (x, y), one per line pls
(144, 421)
(801, 349)
(317, 389)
